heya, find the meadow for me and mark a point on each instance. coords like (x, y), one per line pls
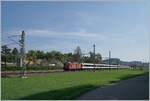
(63, 85)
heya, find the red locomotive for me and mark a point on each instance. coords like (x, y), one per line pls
(72, 66)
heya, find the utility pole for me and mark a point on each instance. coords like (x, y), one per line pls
(94, 55)
(5, 59)
(5, 55)
(118, 64)
(22, 55)
(109, 59)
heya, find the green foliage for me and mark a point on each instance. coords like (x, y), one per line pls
(15, 51)
(77, 57)
(98, 58)
(36, 58)
(5, 50)
(66, 85)
(31, 55)
(6, 54)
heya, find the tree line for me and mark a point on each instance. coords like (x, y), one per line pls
(33, 56)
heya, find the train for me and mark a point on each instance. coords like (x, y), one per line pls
(84, 66)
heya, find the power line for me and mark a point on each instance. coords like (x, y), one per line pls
(10, 37)
(21, 43)
(8, 44)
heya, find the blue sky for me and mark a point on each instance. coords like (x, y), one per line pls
(121, 27)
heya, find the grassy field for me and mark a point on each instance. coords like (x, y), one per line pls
(65, 85)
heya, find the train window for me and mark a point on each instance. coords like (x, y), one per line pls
(88, 65)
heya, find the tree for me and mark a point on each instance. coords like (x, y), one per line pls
(77, 54)
(98, 58)
(15, 51)
(54, 55)
(31, 56)
(15, 55)
(5, 52)
(40, 54)
(90, 59)
(48, 56)
(68, 57)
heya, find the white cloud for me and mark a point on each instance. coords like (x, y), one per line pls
(82, 34)
(49, 33)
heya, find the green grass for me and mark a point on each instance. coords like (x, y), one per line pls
(66, 85)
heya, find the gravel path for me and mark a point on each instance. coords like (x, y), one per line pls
(132, 89)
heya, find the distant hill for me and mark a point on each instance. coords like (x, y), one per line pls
(115, 61)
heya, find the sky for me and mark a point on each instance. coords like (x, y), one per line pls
(121, 27)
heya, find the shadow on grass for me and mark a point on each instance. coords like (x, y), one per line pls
(127, 77)
(61, 94)
(132, 75)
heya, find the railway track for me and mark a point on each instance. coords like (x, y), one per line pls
(28, 73)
